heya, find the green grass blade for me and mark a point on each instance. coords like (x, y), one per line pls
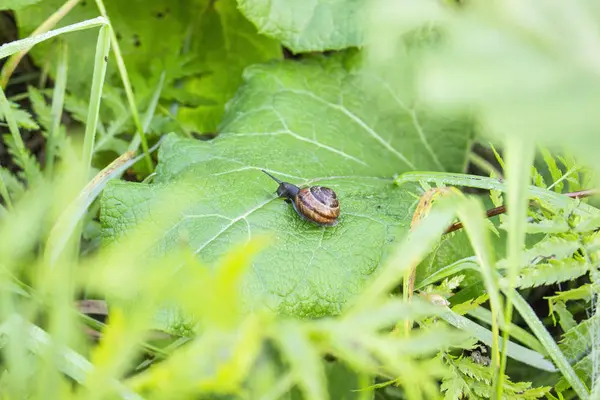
(483, 314)
(519, 158)
(128, 89)
(452, 269)
(514, 350)
(67, 222)
(135, 143)
(58, 100)
(472, 215)
(23, 44)
(305, 362)
(481, 182)
(102, 49)
(100, 63)
(409, 253)
(538, 329)
(70, 362)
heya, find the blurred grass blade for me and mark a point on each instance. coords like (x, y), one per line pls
(58, 99)
(514, 350)
(305, 363)
(281, 388)
(128, 90)
(484, 315)
(71, 363)
(23, 44)
(548, 342)
(410, 252)
(519, 158)
(452, 269)
(389, 313)
(68, 220)
(472, 215)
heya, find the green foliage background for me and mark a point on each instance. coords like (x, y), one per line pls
(209, 286)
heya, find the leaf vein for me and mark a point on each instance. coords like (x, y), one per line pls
(359, 122)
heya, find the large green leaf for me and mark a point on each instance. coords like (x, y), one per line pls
(312, 25)
(205, 42)
(306, 122)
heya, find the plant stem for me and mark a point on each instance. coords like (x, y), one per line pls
(519, 157)
(128, 89)
(58, 100)
(102, 49)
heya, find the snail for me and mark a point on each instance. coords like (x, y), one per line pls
(316, 204)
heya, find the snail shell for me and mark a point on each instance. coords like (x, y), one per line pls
(316, 204)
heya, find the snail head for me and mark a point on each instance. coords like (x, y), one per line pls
(285, 189)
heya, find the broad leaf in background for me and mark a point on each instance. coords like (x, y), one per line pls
(303, 26)
(16, 4)
(309, 123)
(152, 36)
(149, 32)
(224, 43)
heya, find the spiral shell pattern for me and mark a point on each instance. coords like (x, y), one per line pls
(318, 204)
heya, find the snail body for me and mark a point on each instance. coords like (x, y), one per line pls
(317, 204)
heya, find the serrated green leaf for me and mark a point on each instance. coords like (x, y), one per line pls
(22, 117)
(583, 292)
(41, 108)
(583, 368)
(549, 273)
(316, 25)
(311, 124)
(555, 172)
(15, 187)
(577, 341)
(551, 247)
(474, 380)
(27, 162)
(565, 318)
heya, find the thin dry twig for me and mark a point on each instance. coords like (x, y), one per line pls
(502, 209)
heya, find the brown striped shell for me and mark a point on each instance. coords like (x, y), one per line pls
(318, 204)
